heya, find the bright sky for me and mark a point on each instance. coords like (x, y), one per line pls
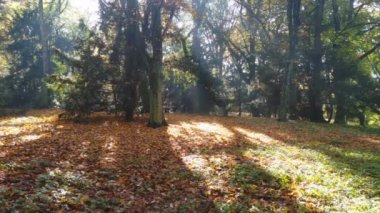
(88, 8)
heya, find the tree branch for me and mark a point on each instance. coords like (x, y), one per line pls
(365, 55)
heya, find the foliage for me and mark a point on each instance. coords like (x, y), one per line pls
(25, 79)
(79, 87)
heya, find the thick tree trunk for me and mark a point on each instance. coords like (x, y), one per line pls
(131, 101)
(44, 96)
(156, 118)
(144, 92)
(294, 7)
(202, 102)
(316, 113)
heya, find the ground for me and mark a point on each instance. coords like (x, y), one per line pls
(196, 164)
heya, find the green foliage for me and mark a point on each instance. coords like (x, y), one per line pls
(24, 81)
(25, 71)
(78, 88)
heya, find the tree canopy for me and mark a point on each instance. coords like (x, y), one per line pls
(312, 60)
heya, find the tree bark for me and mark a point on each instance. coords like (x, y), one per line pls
(203, 84)
(363, 119)
(156, 115)
(252, 25)
(131, 64)
(338, 73)
(293, 13)
(44, 99)
(316, 113)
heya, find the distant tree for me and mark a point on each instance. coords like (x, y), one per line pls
(44, 99)
(316, 113)
(80, 85)
(133, 45)
(293, 11)
(29, 50)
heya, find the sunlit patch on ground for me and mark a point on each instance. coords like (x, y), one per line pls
(197, 163)
(256, 137)
(32, 137)
(26, 128)
(200, 131)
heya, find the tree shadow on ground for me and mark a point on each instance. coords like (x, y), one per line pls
(233, 182)
(353, 149)
(348, 151)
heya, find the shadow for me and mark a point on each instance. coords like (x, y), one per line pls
(351, 148)
(351, 156)
(364, 163)
(233, 182)
(324, 156)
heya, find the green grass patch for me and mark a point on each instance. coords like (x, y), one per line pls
(334, 179)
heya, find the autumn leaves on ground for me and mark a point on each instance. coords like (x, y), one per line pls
(196, 164)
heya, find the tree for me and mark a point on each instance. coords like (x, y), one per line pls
(132, 68)
(316, 113)
(44, 99)
(293, 12)
(156, 113)
(80, 85)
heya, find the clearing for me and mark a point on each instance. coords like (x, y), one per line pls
(196, 164)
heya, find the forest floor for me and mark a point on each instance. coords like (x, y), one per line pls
(196, 164)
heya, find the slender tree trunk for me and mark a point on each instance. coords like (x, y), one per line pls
(294, 7)
(240, 98)
(252, 25)
(252, 46)
(363, 119)
(132, 79)
(44, 99)
(351, 9)
(316, 114)
(338, 73)
(156, 118)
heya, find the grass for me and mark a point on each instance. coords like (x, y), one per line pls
(328, 176)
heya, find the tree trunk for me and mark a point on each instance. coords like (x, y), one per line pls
(203, 84)
(351, 10)
(363, 119)
(44, 96)
(156, 114)
(144, 92)
(293, 11)
(252, 46)
(316, 113)
(252, 25)
(338, 73)
(240, 95)
(131, 64)
(131, 101)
